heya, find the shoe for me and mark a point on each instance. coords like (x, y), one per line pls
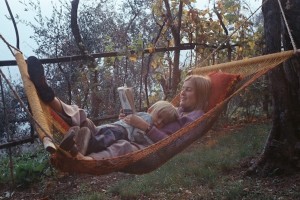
(68, 142)
(37, 76)
(82, 140)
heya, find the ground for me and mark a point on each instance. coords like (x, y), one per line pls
(66, 185)
(69, 185)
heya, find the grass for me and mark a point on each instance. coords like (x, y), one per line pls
(202, 167)
(27, 168)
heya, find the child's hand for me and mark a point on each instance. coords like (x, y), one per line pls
(136, 121)
(132, 119)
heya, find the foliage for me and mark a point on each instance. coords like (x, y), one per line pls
(213, 31)
(251, 104)
(27, 168)
(103, 28)
(13, 118)
(134, 25)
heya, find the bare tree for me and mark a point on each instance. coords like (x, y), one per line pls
(175, 27)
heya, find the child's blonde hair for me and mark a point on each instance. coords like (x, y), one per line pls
(165, 110)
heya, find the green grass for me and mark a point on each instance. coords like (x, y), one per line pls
(202, 166)
(27, 168)
(90, 196)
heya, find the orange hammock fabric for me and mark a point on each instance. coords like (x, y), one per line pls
(152, 157)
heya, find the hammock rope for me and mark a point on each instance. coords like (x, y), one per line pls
(10, 47)
(287, 27)
(247, 66)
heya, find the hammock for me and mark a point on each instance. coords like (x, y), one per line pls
(146, 160)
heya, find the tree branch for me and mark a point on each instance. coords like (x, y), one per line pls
(75, 28)
(14, 23)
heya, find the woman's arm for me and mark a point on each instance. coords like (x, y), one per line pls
(156, 134)
(152, 132)
(136, 122)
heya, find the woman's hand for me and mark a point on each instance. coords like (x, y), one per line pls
(136, 121)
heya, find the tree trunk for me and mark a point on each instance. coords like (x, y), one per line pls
(281, 154)
(175, 30)
(91, 62)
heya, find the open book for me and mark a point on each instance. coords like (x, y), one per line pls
(127, 99)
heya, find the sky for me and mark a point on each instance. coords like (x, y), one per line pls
(8, 32)
(27, 45)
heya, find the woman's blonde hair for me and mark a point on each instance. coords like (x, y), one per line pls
(202, 85)
(165, 110)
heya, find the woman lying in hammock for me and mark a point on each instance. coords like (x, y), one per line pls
(193, 100)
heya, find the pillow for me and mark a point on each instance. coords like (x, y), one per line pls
(221, 87)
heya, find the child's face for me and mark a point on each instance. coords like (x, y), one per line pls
(158, 120)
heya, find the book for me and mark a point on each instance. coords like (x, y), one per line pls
(127, 99)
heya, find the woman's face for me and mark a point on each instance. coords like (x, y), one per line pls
(188, 99)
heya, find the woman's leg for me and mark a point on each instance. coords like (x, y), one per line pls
(71, 113)
(56, 105)
(37, 76)
(86, 143)
(119, 148)
(105, 136)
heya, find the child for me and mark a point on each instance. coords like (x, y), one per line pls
(83, 141)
